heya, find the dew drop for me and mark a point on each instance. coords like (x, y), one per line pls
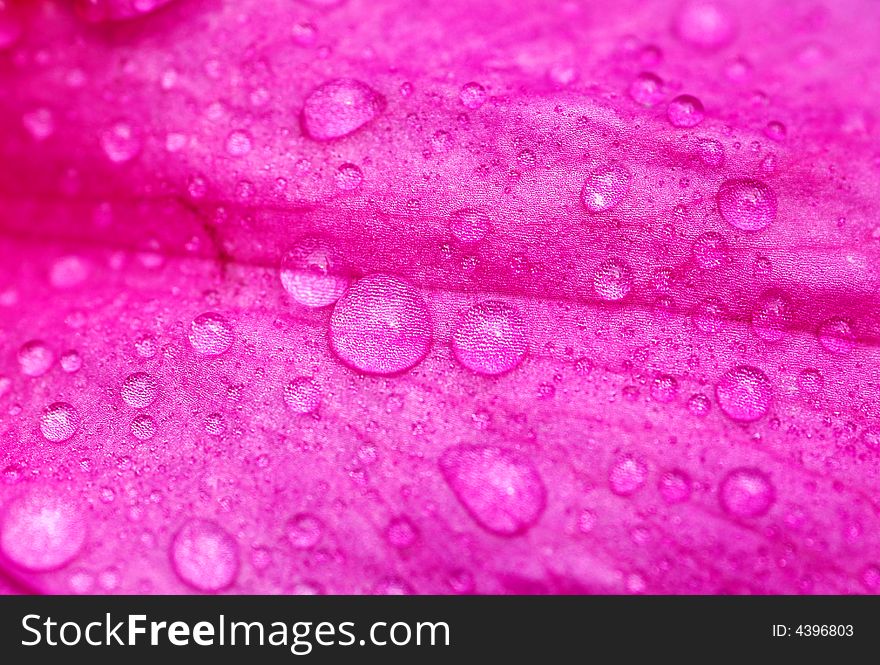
(311, 273)
(339, 107)
(675, 486)
(143, 427)
(772, 315)
(710, 250)
(871, 437)
(39, 123)
(711, 152)
(210, 334)
(605, 187)
(238, 143)
(746, 492)
(612, 280)
(664, 388)
(627, 475)
(744, 393)
(120, 142)
(499, 488)
(205, 556)
(380, 326)
(708, 316)
(685, 111)
(490, 338)
(41, 531)
(401, 533)
(35, 358)
(349, 177)
(304, 531)
(59, 422)
(302, 395)
(836, 336)
(139, 390)
(647, 89)
(469, 225)
(704, 24)
(699, 405)
(775, 131)
(749, 205)
(810, 381)
(71, 361)
(472, 95)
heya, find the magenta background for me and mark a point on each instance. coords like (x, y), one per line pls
(183, 228)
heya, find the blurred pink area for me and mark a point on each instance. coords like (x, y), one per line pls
(439, 296)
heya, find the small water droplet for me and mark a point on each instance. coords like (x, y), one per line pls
(35, 358)
(704, 24)
(469, 225)
(836, 336)
(303, 395)
(647, 89)
(710, 250)
(139, 390)
(238, 143)
(304, 531)
(627, 475)
(605, 187)
(312, 273)
(59, 422)
(339, 107)
(749, 205)
(772, 315)
(349, 177)
(685, 111)
(612, 280)
(143, 427)
(472, 95)
(120, 142)
(41, 531)
(401, 533)
(711, 152)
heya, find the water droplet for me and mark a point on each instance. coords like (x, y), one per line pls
(401, 533)
(605, 187)
(349, 177)
(139, 390)
(143, 427)
(775, 131)
(499, 488)
(304, 531)
(59, 422)
(647, 89)
(311, 274)
(871, 437)
(145, 346)
(836, 336)
(71, 361)
(380, 326)
(120, 142)
(627, 475)
(339, 107)
(664, 388)
(772, 315)
(685, 111)
(749, 205)
(612, 280)
(472, 95)
(675, 486)
(39, 123)
(708, 316)
(490, 338)
(704, 24)
(746, 492)
(810, 381)
(303, 395)
(469, 225)
(205, 556)
(711, 152)
(710, 250)
(41, 531)
(210, 334)
(699, 405)
(35, 358)
(238, 143)
(744, 393)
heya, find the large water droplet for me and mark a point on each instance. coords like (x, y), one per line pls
(685, 111)
(675, 486)
(490, 338)
(472, 95)
(205, 556)
(605, 187)
(749, 205)
(41, 531)
(312, 273)
(647, 89)
(612, 280)
(210, 334)
(140, 390)
(500, 489)
(704, 24)
(339, 107)
(35, 358)
(836, 335)
(59, 422)
(380, 326)
(744, 393)
(746, 492)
